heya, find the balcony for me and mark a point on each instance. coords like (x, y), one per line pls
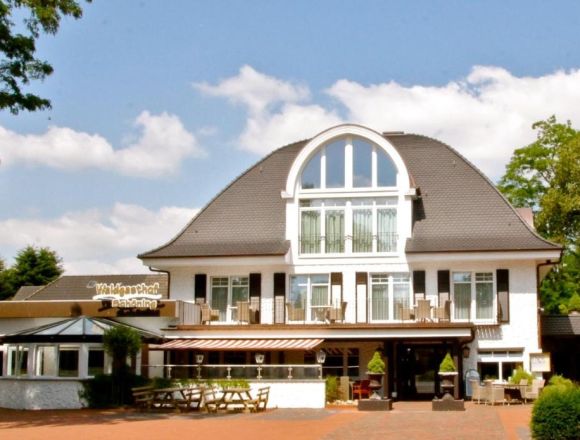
(347, 244)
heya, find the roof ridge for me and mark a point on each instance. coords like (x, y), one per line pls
(489, 182)
(208, 204)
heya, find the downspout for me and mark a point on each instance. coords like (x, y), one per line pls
(538, 283)
(168, 279)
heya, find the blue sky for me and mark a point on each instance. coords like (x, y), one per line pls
(158, 105)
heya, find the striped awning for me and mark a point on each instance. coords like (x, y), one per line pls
(238, 344)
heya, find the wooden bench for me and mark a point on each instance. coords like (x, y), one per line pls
(143, 397)
(261, 401)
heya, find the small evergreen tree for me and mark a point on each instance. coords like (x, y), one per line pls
(120, 343)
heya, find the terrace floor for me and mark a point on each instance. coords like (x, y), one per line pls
(408, 421)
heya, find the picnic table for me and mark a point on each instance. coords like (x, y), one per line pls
(177, 398)
(236, 398)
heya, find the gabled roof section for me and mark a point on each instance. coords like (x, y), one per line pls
(82, 287)
(459, 209)
(247, 218)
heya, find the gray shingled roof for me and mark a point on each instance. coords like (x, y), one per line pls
(24, 292)
(82, 287)
(459, 209)
(561, 325)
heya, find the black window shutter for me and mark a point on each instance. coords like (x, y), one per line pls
(200, 286)
(443, 287)
(336, 278)
(279, 297)
(255, 285)
(419, 282)
(503, 295)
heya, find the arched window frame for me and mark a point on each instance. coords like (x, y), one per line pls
(374, 194)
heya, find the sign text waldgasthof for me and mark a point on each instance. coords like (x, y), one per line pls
(137, 296)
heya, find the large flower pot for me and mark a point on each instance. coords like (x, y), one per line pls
(375, 384)
(447, 384)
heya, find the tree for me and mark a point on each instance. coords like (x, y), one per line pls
(18, 64)
(545, 176)
(4, 282)
(32, 267)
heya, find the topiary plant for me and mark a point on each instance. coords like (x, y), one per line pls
(520, 374)
(376, 364)
(447, 365)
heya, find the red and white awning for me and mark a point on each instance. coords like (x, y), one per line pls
(238, 344)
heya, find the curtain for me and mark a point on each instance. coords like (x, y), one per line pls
(400, 298)
(334, 231)
(319, 298)
(380, 302)
(387, 230)
(484, 301)
(310, 232)
(362, 230)
(462, 300)
(219, 300)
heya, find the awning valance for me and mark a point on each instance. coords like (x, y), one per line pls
(238, 344)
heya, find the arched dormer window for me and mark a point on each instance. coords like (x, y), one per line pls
(349, 185)
(349, 163)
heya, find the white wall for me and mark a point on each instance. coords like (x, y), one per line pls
(293, 393)
(40, 393)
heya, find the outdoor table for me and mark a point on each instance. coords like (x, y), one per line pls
(236, 398)
(321, 312)
(514, 393)
(169, 397)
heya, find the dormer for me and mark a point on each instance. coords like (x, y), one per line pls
(348, 196)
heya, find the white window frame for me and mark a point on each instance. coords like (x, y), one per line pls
(230, 307)
(308, 308)
(473, 298)
(392, 278)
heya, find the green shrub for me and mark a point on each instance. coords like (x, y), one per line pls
(376, 364)
(447, 365)
(521, 374)
(99, 391)
(556, 413)
(331, 388)
(558, 380)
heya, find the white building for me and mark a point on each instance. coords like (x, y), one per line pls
(350, 242)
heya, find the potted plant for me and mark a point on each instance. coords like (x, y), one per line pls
(447, 371)
(375, 372)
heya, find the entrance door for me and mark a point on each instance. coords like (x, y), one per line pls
(417, 367)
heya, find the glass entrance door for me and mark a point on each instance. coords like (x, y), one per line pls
(417, 367)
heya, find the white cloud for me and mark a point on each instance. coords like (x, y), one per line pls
(485, 115)
(96, 241)
(163, 143)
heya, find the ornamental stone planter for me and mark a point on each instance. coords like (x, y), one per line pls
(447, 402)
(375, 402)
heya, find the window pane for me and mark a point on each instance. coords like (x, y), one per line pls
(386, 230)
(310, 232)
(335, 165)
(18, 361)
(298, 290)
(311, 173)
(96, 361)
(46, 361)
(362, 164)
(219, 295)
(380, 302)
(362, 230)
(462, 300)
(334, 231)
(484, 300)
(68, 362)
(400, 298)
(386, 171)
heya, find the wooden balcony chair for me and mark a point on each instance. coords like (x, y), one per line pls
(423, 310)
(295, 314)
(208, 314)
(361, 388)
(404, 313)
(243, 309)
(443, 313)
(337, 313)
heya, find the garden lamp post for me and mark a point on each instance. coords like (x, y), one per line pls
(320, 358)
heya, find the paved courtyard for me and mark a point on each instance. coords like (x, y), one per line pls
(408, 421)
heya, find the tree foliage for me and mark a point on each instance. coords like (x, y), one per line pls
(32, 267)
(545, 176)
(18, 62)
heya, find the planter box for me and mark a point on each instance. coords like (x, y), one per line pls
(375, 405)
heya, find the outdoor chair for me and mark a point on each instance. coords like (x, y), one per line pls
(243, 308)
(208, 314)
(361, 388)
(260, 403)
(143, 397)
(533, 391)
(337, 313)
(495, 393)
(295, 314)
(404, 313)
(423, 310)
(478, 392)
(443, 313)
